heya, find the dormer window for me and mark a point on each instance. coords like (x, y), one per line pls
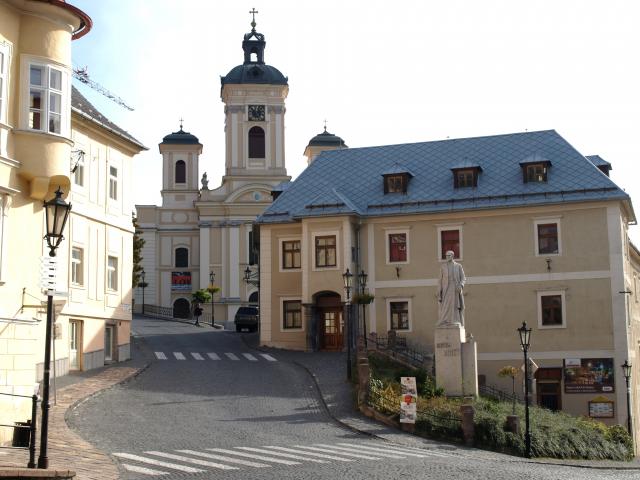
(465, 177)
(396, 179)
(535, 172)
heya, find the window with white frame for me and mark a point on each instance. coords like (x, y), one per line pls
(113, 183)
(48, 99)
(551, 309)
(399, 311)
(547, 236)
(77, 266)
(4, 80)
(291, 315)
(112, 273)
(450, 238)
(397, 246)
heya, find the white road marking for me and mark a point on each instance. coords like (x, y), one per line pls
(146, 471)
(250, 357)
(279, 454)
(268, 357)
(312, 454)
(159, 463)
(179, 356)
(225, 459)
(231, 356)
(195, 461)
(375, 450)
(357, 450)
(161, 355)
(213, 356)
(197, 356)
(250, 455)
(346, 454)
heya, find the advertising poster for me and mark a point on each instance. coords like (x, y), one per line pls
(588, 375)
(408, 400)
(181, 281)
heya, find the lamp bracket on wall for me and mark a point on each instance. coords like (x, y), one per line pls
(77, 159)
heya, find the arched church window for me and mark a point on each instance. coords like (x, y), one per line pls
(182, 257)
(256, 142)
(181, 172)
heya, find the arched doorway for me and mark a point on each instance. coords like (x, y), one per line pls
(330, 321)
(181, 308)
(253, 298)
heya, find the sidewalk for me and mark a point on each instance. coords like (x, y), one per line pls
(329, 370)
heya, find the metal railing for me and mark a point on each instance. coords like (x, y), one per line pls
(429, 420)
(158, 311)
(24, 433)
(399, 348)
(490, 391)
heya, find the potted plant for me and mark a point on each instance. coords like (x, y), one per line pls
(363, 298)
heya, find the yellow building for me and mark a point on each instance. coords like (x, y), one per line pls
(51, 137)
(541, 232)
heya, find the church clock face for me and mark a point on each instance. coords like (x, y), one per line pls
(256, 113)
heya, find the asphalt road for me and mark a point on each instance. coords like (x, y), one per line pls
(207, 406)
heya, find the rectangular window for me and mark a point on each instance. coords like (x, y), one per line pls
(399, 313)
(291, 254)
(536, 172)
(326, 251)
(4, 74)
(551, 309)
(292, 314)
(253, 252)
(113, 183)
(77, 266)
(112, 273)
(109, 338)
(450, 240)
(395, 183)
(397, 247)
(78, 174)
(47, 98)
(467, 177)
(547, 238)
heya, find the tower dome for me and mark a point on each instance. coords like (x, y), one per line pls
(321, 142)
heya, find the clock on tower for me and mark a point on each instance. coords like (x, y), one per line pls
(256, 113)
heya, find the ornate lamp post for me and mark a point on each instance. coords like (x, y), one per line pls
(56, 214)
(253, 278)
(363, 287)
(347, 278)
(525, 338)
(143, 285)
(626, 371)
(212, 277)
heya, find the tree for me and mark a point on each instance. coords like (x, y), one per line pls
(200, 296)
(509, 371)
(138, 243)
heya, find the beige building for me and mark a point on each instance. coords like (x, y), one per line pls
(50, 137)
(540, 230)
(198, 231)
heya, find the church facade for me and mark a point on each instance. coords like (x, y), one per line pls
(200, 234)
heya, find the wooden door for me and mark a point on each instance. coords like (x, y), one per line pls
(548, 388)
(331, 329)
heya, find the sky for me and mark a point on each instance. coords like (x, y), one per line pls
(378, 72)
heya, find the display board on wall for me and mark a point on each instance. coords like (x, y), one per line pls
(181, 281)
(601, 407)
(588, 375)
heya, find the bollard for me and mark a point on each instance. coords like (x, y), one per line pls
(467, 412)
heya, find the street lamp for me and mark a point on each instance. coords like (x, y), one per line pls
(143, 285)
(363, 285)
(212, 277)
(347, 278)
(56, 214)
(525, 338)
(626, 371)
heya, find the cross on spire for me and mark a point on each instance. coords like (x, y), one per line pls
(325, 124)
(181, 120)
(253, 22)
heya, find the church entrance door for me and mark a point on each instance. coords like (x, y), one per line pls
(181, 308)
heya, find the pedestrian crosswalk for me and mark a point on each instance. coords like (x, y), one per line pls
(202, 356)
(245, 458)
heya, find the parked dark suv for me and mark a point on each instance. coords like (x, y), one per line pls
(246, 319)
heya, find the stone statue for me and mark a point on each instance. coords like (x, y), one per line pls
(205, 181)
(450, 299)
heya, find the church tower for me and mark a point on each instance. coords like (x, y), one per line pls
(180, 154)
(254, 95)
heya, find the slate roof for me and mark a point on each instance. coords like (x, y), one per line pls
(180, 138)
(598, 161)
(349, 181)
(83, 107)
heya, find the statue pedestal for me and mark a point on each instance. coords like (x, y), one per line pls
(456, 361)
